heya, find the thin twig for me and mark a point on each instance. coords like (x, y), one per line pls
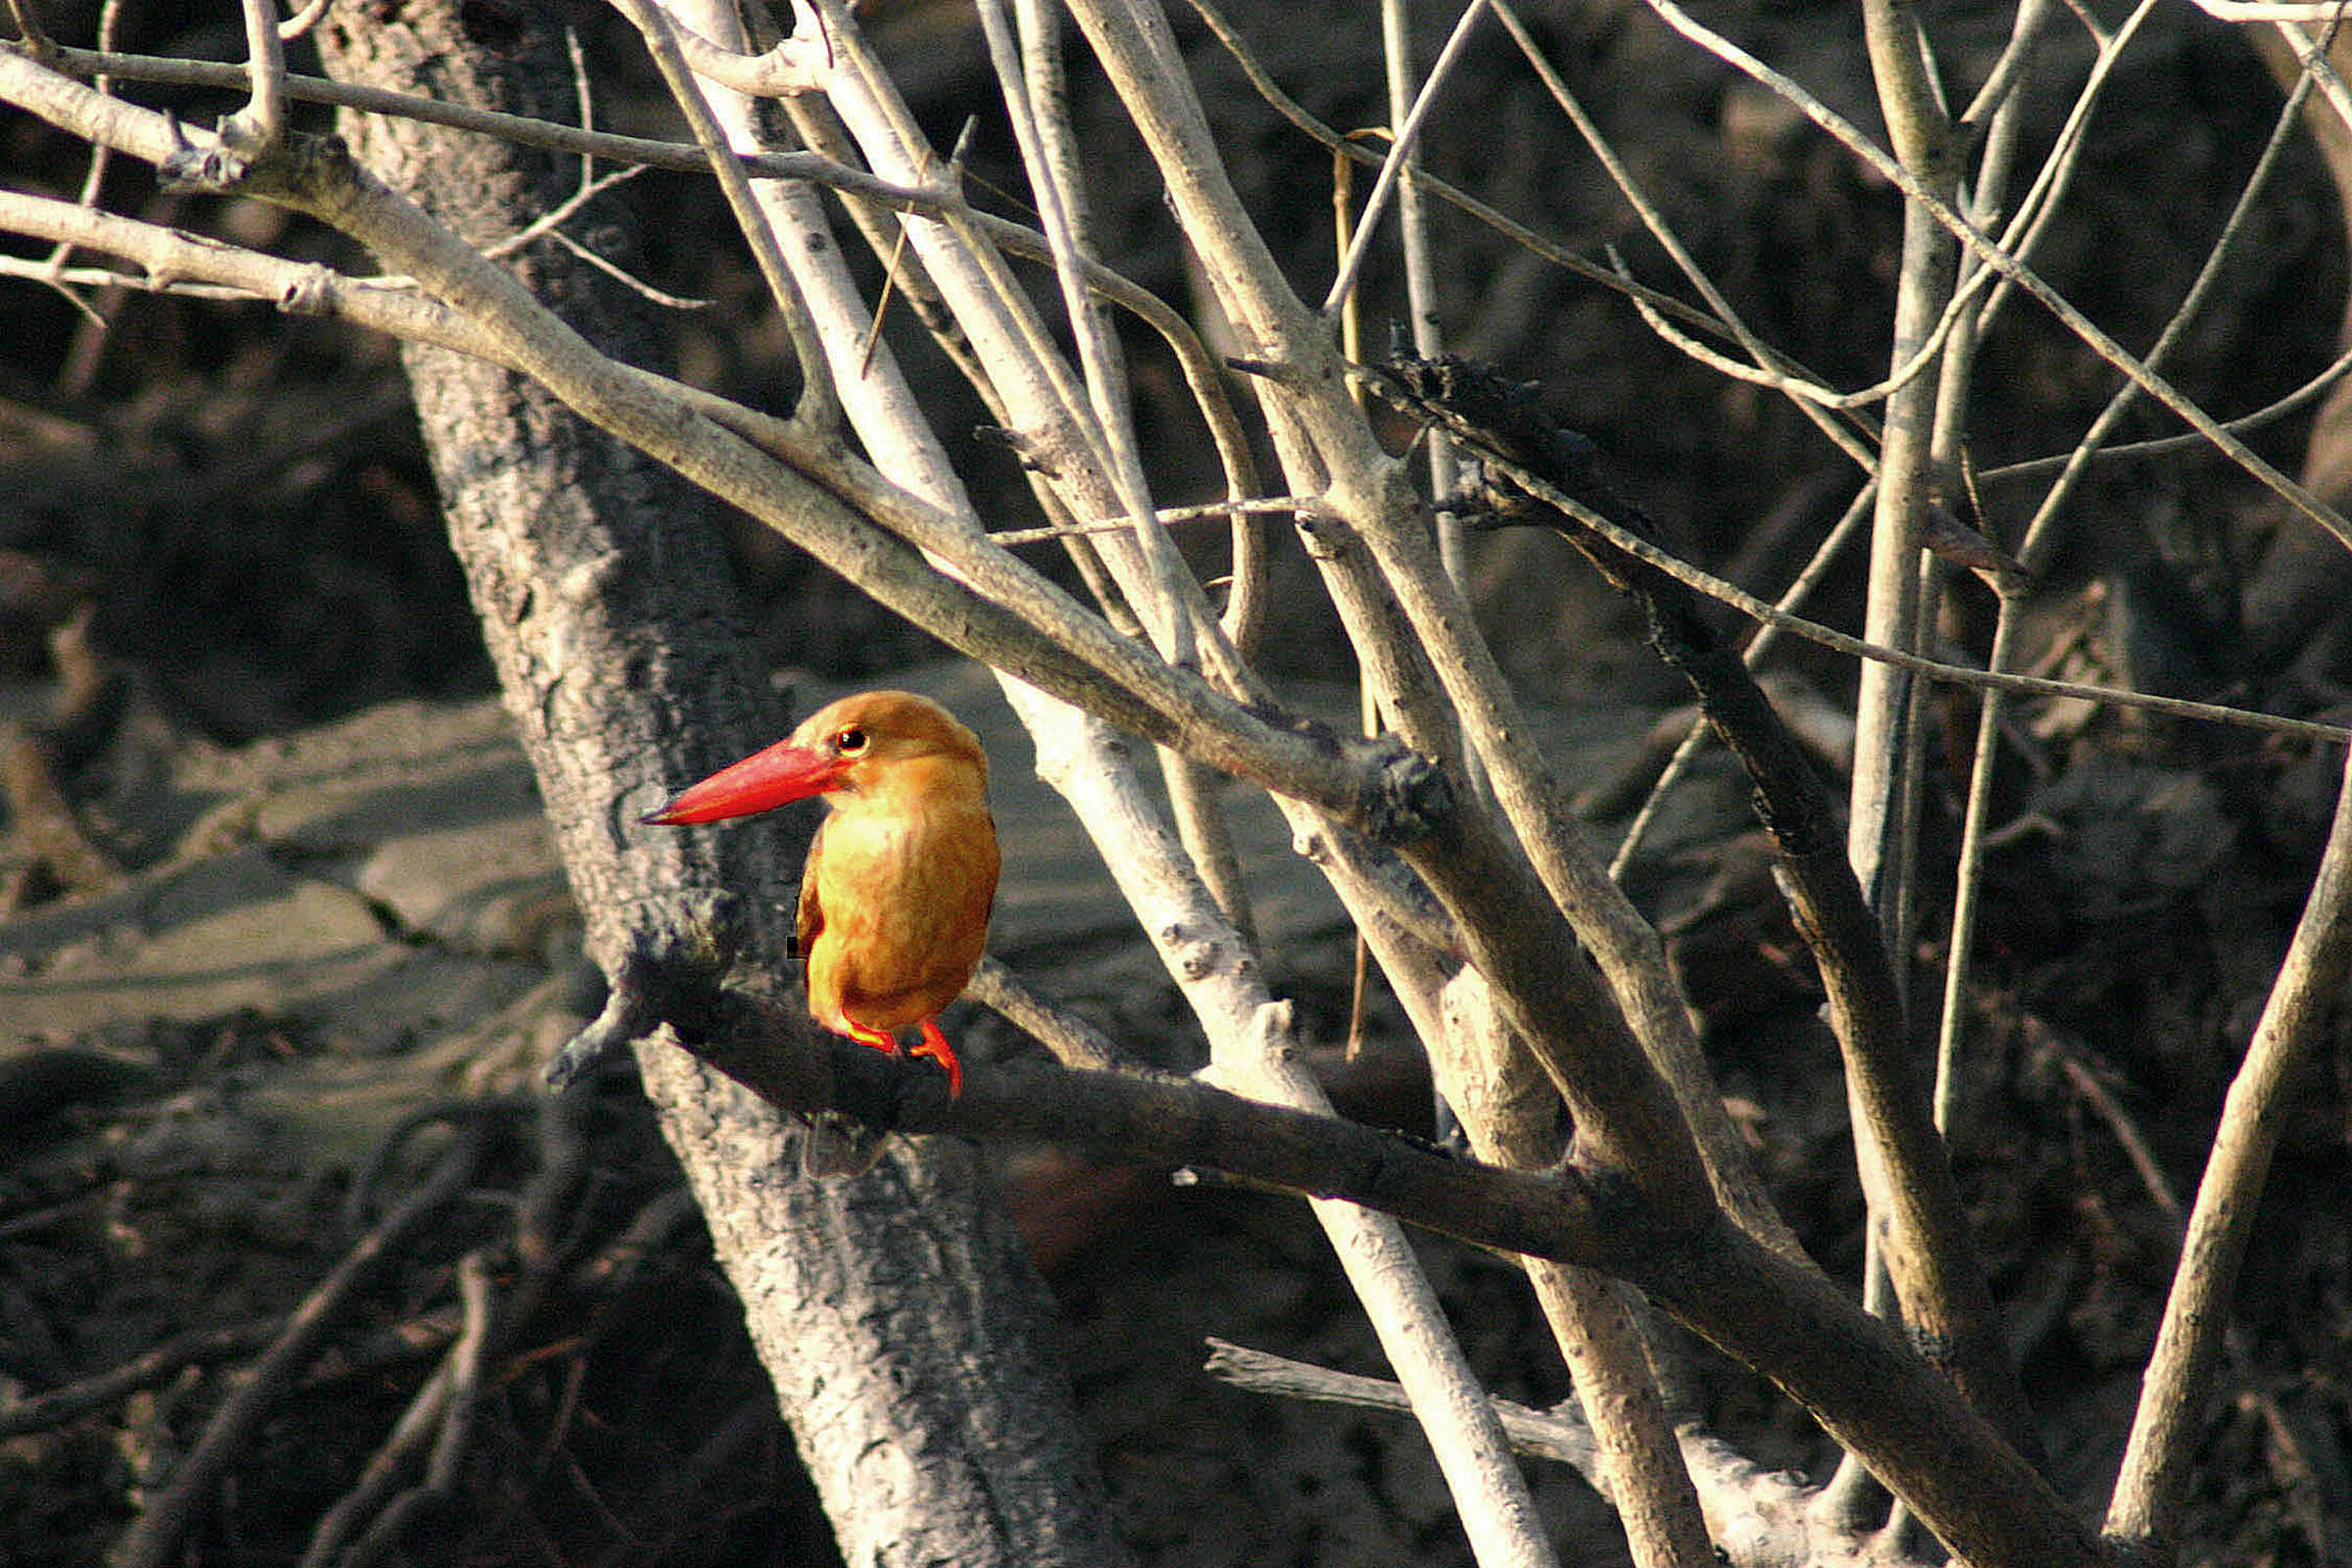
(1416, 243)
(1770, 363)
(1074, 1040)
(1349, 149)
(564, 211)
(1769, 615)
(2038, 211)
(301, 22)
(1206, 512)
(263, 120)
(2297, 496)
(1391, 167)
(93, 179)
(1047, 155)
(1199, 366)
(2250, 424)
(818, 407)
(1816, 571)
(2039, 541)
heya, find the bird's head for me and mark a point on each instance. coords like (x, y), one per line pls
(870, 744)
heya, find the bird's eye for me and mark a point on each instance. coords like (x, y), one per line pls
(849, 742)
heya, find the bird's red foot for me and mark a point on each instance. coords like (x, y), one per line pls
(934, 1046)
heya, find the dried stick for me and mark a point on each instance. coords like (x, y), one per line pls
(1757, 1517)
(1160, 590)
(153, 1367)
(2248, 424)
(818, 409)
(1561, 1435)
(1415, 243)
(1400, 150)
(2038, 210)
(1918, 1257)
(1954, 408)
(154, 1539)
(1881, 818)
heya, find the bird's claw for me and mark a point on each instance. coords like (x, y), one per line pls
(934, 1046)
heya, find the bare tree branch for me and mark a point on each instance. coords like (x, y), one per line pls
(2146, 1506)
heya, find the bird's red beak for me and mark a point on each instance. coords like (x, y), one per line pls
(761, 782)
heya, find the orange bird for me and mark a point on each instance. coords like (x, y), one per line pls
(896, 895)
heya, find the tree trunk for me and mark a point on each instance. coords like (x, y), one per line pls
(897, 1314)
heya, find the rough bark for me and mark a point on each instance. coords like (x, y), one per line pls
(897, 1313)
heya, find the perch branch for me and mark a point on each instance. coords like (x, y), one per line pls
(1854, 1372)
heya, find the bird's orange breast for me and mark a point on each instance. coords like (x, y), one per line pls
(902, 892)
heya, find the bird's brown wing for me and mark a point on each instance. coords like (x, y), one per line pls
(810, 919)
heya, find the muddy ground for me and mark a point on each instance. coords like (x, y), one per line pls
(282, 930)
